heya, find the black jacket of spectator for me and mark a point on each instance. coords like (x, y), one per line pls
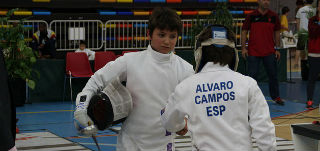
(7, 110)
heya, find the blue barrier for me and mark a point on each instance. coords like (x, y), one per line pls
(205, 1)
(141, 1)
(107, 13)
(124, 13)
(140, 25)
(235, 12)
(41, 13)
(111, 38)
(28, 26)
(157, 1)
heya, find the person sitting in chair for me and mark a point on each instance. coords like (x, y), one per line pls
(83, 48)
(43, 42)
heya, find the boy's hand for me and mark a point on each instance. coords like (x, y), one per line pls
(244, 53)
(277, 55)
(83, 123)
(184, 130)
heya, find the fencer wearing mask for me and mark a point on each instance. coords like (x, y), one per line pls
(225, 109)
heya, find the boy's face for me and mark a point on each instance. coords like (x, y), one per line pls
(163, 41)
(264, 3)
(82, 46)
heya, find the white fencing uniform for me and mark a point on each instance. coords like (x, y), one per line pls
(225, 110)
(90, 53)
(151, 78)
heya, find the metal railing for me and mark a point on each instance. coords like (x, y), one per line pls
(70, 32)
(126, 34)
(114, 34)
(132, 34)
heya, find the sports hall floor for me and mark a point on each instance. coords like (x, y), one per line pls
(49, 125)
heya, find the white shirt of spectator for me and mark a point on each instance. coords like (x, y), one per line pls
(89, 53)
(302, 14)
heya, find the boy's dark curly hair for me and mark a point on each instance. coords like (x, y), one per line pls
(164, 18)
(284, 10)
(82, 42)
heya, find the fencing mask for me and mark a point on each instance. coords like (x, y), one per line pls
(110, 106)
(219, 37)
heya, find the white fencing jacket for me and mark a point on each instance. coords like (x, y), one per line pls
(225, 110)
(151, 78)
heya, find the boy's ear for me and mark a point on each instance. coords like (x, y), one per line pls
(148, 34)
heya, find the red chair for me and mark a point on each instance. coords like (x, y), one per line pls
(127, 51)
(77, 66)
(117, 56)
(102, 58)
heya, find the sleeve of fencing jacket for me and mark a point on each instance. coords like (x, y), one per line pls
(263, 129)
(173, 117)
(102, 77)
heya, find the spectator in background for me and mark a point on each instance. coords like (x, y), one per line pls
(313, 55)
(43, 42)
(284, 19)
(83, 48)
(285, 28)
(299, 4)
(302, 25)
(264, 27)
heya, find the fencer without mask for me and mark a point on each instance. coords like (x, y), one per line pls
(219, 39)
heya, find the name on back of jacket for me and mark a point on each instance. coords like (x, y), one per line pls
(211, 93)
